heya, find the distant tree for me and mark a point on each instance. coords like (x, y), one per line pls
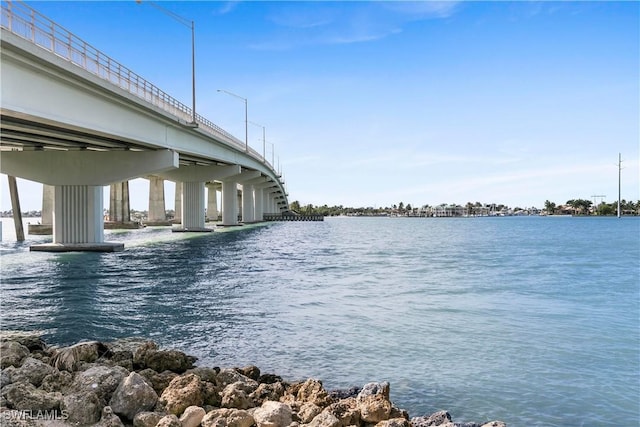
(605, 209)
(409, 207)
(401, 206)
(549, 207)
(295, 206)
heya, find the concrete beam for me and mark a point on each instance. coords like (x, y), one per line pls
(198, 173)
(95, 168)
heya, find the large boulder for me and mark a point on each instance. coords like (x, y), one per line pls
(235, 396)
(26, 397)
(136, 347)
(133, 395)
(182, 392)
(272, 414)
(33, 371)
(12, 354)
(168, 360)
(227, 418)
(312, 391)
(374, 408)
(82, 409)
(192, 416)
(103, 380)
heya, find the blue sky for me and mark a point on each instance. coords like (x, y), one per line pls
(376, 103)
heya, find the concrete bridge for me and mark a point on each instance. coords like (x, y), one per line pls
(75, 119)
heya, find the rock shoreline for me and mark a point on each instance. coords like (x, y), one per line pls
(133, 382)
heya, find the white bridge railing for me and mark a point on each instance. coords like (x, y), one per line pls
(23, 21)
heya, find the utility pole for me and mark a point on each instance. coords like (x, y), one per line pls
(619, 182)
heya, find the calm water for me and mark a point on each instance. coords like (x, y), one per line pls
(534, 321)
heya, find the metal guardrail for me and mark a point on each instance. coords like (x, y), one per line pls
(25, 22)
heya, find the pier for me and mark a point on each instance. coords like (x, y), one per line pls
(292, 217)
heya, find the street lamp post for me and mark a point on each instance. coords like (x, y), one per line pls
(246, 117)
(189, 24)
(264, 141)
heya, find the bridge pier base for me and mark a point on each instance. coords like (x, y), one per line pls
(78, 223)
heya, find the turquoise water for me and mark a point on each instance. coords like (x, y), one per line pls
(531, 320)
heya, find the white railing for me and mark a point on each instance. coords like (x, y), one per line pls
(23, 21)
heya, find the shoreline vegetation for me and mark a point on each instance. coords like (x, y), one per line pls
(573, 207)
(132, 382)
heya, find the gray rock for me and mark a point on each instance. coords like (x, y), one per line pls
(33, 371)
(159, 381)
(57, 381)
(168, 360)
(32, 340)
(370, 389)
(205, 374)
(12, 354)
(138, 347)
(250, 371)
(5, 377)
(147, 419)
(103, 380)
(82, 409)
(230, 376)
(25, 396)
(133, 395)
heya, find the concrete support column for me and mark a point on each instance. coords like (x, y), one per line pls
(177, 217)
(119, 210)
(248, 205)
(157, 211)
(239, 202)
(193, 206)
(47, 204)
(229, 203)
(212, 202)
(259, 204)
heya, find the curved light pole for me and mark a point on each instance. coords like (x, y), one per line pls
(264, 141)
(189, 24)
(246, 117)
